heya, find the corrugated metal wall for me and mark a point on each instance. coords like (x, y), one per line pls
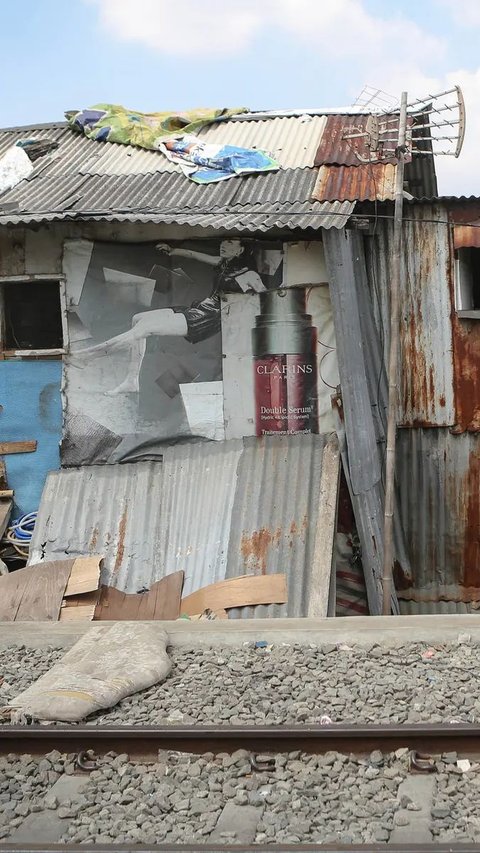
(439, 483)
(426, 381)
(438, 460)
(214, 510)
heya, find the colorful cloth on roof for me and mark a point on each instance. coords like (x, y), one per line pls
(206, 163)
(172, 134)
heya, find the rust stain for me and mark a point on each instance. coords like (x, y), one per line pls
(94, 539)
(121, 541)
(466, 360)
(255, 547)
(466, 346)
(442, 401)
(470, 491)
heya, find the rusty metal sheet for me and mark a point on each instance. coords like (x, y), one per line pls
(274, 516)
(426, 370)
(466, 236)
(466, 356)
(335, 149)
(438, 477)
(464, 215)
(372, 182)
(113, 510)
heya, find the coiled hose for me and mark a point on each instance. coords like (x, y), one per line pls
(19, 534)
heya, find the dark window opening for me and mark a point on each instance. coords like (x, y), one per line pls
(33, 317)
(468, 279)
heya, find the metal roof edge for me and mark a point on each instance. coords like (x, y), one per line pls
(253, 115)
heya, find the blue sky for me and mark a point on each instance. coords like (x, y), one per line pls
(156, 55)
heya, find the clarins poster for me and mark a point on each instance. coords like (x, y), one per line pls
(195, 341)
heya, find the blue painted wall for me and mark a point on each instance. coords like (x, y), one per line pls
(32, 409)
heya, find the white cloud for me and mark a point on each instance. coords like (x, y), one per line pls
(461, 177)
(466, 13)
(188, 28)
(342, 29)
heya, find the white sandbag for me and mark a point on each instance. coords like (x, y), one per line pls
(15, 165)
(107, 664)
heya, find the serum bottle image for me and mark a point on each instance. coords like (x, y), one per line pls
(285, 366)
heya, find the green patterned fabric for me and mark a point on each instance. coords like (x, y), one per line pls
(114, 123)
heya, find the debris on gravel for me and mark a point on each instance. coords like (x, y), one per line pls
(288, 684)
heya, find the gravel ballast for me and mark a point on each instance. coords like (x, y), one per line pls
(288, 684)
(187, 798)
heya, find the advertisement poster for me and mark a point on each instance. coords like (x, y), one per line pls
(191, 341)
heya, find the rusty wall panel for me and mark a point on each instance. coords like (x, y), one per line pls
(465, 236)
(466, 356)
(439, 482)
(466, 332)
(426, 366)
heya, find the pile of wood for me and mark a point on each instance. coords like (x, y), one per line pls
(69, 590)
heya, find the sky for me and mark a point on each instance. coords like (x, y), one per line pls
(156, 55)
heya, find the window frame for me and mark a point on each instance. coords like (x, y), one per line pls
(39, 353)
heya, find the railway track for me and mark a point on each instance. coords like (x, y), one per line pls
(425, 743)
(145, 741)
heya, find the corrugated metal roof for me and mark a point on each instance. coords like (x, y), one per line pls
(374, 181)
(256, 202)
(212, 509)
(88, 179)
(336, 149)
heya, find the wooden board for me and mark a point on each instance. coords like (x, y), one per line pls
(243, 591)
(85, 575)
(5, 510)
(80, 613)
(17, 447)
(78, 608)
(34, 593)
(162, 601)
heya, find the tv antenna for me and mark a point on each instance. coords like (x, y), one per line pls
(427, 127)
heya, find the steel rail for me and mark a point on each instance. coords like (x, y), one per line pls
(146, 740)
(433, 847)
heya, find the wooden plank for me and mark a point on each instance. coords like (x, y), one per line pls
(85, 575)
(5, 511)
(243, 591)
(6, 493)
(12, 588)
(80, 600)
(17, 447)
(162, 601)
(81, 613)
(34, 593)
(323, 562)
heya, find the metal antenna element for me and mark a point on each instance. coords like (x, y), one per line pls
(376, 100)
(435, 126)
